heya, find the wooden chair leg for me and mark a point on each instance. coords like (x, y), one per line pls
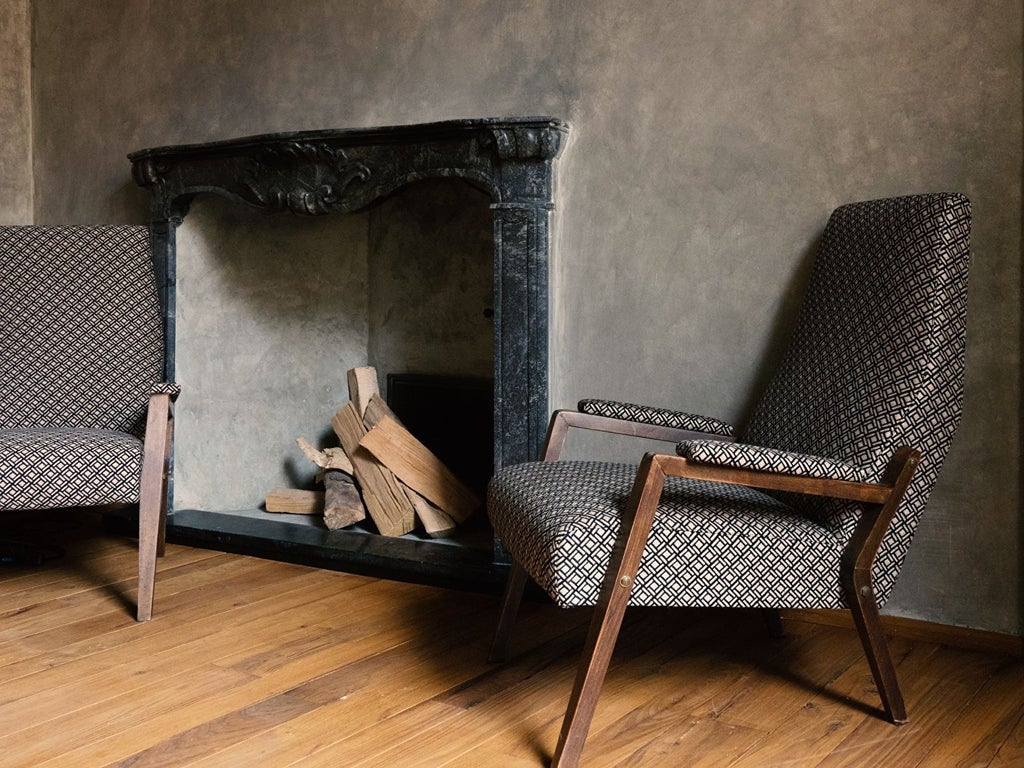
(152, 498)
(611, 607)
(514, 588)
(857, 580)
(161, 542)
(868, 621)
(773, 620)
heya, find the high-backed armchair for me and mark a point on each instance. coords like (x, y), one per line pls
(813, 505)
(85, 417)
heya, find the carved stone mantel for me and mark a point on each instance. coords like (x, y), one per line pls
(319, 172)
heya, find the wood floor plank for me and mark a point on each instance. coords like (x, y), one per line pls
(814, 724)
(938, 684)
(107, 631)
(83, 548)
(197, 589)
(46, 745)
(646, 680)
(288, 689)
(705, 743)
(315, 738)
(255, 663)
(650, 723)
(51, 636)
(509, 694)
(974, 740)
(107, 592)
(1011, 752)
(361, 681)
(781, 672)
(106, 675)
(26, 585)
(699, 707)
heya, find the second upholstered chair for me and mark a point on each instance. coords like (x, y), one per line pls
(85, 417)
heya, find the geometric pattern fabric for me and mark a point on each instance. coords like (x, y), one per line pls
(82, 328)
(661, 417)
(82, 349)
(711, 544)
(49, 468)
(166, 388)
(761, 459)
(875, 362)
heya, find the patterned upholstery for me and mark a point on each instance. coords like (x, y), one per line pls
(166, 388)
(763, 459)
(82, 350)
(876, 362)
(559, 519)
(877, 357)
(68, 467)
(661, 417)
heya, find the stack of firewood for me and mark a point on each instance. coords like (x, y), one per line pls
(380, 469)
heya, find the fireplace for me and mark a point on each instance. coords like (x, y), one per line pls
(315, 173)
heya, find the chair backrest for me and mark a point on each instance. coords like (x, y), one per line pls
(877, 357)
(81, 333)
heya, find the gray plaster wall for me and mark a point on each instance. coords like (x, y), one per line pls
(15, 112)
(272, 310)
(710, 139)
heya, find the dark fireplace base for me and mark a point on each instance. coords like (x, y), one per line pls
(465, 562)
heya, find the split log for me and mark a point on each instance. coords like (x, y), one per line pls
(385, 500)
(328, 458)
(362, 385)
(436, 523)
(342, 503)
(414, 464)
(294, 501)
(377, 409)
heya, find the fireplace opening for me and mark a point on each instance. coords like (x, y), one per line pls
(272, 312)
(452, 416)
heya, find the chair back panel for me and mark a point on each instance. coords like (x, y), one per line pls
(877, 357)
(81, 333)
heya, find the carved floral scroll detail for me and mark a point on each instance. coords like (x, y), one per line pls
(526, 142)
(309, 178)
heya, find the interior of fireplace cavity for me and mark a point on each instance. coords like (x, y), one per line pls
(272, 311)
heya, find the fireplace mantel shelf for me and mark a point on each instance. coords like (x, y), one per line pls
(319, 172)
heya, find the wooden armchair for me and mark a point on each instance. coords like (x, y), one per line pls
(813, 506)
(85, 418)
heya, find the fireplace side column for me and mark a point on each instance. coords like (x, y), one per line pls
(163, 237)
(521, 232)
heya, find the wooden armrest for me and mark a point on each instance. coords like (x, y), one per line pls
(562, 421)
(881, 499)
(677, 466)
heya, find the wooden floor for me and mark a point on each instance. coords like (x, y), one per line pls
(253, 663)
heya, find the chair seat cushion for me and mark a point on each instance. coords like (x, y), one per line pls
(711, 544)
(49, 468)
